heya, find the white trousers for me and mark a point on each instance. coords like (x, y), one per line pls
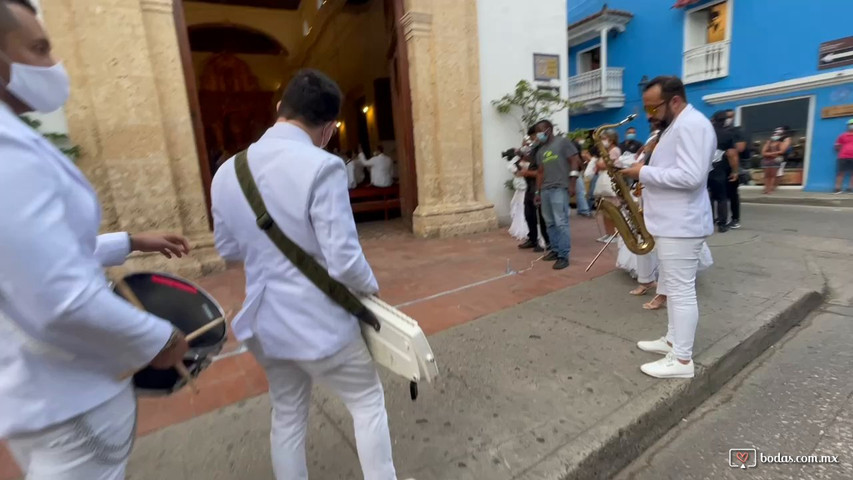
(678, 263)
(647, 267)
(352, 375)
(93, 446)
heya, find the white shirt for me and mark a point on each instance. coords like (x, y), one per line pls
(305, 191)
(675, 199)
(355, 173)
(66, 337)
(380, 170)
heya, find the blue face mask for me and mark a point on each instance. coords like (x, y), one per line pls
(542, 137)
(631, 136)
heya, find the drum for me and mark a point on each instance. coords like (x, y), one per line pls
(189, 308)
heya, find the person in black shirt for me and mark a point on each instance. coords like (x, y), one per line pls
(631, 144)
(744, 155)
(724, 169)
(532, 213)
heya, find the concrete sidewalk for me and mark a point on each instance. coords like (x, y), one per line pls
(796, 197)
(549, 389)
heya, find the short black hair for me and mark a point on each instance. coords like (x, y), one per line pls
(380, 149)
(719, 117)
(631, 128)
(311, 97)
(670, 87)
(545, 122)
(531, 130)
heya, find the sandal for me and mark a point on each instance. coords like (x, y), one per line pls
(655, 303)
(642, 289)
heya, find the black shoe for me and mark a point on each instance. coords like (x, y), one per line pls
(550, 257)
(527, 244)
(722, 228)
(538, 249)
(561, 263)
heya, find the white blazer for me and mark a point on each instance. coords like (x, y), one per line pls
(66, 337)
(380, 170)
(675, 199)
(305, 191)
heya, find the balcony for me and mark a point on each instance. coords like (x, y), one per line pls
(707, 62)
(587, 89)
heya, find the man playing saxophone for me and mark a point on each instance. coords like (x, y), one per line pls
(677, 213)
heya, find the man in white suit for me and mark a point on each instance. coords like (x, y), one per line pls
(380, 166)
(67, 338)
(677, 211)
(297, 333)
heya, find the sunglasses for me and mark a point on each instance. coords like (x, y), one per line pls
(651, 110)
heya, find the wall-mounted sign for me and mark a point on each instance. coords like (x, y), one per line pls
(836, 53)
(546, 67)
(837, 111)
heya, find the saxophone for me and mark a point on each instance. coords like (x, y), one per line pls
(628, 217)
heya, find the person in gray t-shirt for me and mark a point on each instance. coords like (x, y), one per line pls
(558, 160)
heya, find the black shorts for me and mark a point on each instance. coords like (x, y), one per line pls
(845, 165)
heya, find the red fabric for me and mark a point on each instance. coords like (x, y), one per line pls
(684, 3)
(845, 141)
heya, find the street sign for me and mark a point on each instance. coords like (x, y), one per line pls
(546, 67)
(836, 53)
(837, 111)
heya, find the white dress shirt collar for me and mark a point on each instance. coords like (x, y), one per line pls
(288, 131)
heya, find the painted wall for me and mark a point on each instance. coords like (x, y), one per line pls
(768, 44)
(510, 33)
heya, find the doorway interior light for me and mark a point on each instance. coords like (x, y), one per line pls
(338, 124)
(365, 109)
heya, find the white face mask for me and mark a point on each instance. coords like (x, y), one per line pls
(44, 89)
(605, 142)
(728, 122)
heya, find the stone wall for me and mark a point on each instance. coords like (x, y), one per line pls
(129, 113)
(443, 51)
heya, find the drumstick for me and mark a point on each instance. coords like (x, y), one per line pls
(206, 328)
(131, 297)
(600, 252)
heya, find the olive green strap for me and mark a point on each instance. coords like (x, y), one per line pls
(302, 260)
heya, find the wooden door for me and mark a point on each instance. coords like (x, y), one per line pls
(195, 109)
(398, 65)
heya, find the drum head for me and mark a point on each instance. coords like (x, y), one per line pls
(188, 308)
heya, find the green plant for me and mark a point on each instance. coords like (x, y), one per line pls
(509, 185)
(532, 104)
(60, 140)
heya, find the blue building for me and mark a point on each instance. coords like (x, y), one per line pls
(775, 63)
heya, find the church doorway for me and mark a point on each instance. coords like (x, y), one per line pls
(239, 54)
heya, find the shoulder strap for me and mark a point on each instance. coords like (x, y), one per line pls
(302, 260)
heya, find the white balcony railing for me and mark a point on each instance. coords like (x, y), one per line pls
(707, 62)
(587, 86)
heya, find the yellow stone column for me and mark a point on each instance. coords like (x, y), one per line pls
(115, 115)
(443, 50)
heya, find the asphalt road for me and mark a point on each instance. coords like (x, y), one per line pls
(794, 400)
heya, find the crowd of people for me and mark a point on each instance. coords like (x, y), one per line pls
(378, 170)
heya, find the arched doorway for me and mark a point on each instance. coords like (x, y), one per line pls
(236, 108)
(241, 53)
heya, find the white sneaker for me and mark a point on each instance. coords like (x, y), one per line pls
(655, 346)
(668, 367)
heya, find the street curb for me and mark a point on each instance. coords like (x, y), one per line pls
(844, 201)
(615, 441)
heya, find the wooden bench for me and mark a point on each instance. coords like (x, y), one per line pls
(375, 199)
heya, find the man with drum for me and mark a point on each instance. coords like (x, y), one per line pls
(67, 338)
(298, 334)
